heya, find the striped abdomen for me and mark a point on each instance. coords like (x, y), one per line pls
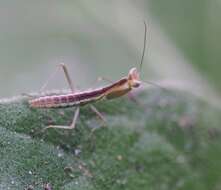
(80, 98)
(67, 100)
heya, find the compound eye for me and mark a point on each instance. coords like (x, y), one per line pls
(136, 84)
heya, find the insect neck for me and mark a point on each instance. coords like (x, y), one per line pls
(117, 89)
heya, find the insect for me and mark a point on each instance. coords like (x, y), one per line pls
(77, 99)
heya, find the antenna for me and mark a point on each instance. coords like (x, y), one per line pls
(155, 84)
(144, 44)
(142, 58)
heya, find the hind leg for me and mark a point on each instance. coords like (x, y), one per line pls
(73, 124)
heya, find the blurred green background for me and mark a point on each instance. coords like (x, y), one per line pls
(99, 38)
(105, 38)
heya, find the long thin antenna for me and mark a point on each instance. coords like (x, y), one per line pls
(142, 58)
(154, 84)
(144, 45)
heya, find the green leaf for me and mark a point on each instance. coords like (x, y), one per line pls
(170, 140)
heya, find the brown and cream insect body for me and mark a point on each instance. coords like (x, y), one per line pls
(77, 99)
(114, 90)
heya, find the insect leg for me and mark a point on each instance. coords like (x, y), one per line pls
(73, 124)
(132, 98)
(93, 108)
(100, 115)
(28, 95)
(67, 76)
(50, 77)
(104, 79)
(100, 79)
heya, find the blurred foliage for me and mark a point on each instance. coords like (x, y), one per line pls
(195, 28)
